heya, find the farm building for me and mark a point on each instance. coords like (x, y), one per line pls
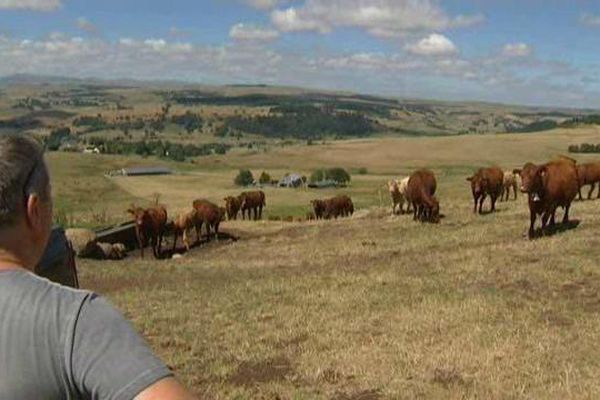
(141, 171)
(291, 181)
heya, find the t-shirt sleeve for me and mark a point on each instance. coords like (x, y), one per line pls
(109, 359)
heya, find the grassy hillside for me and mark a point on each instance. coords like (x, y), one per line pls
(373, 307)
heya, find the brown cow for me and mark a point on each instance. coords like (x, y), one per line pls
(338, 206)
(588, 174)
(232, 205)
(181, 225)
(252, 201)
(548, 187)
(510, 182)
(420, 193)
(208, 214)
(150, 226)
(486, 181)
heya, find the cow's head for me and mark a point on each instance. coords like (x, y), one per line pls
(527, 174)
(392, 186)
(478, 183)
(533, 178)
(230, 201)
(138, 214)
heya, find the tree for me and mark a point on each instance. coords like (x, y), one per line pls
(264, 178)
(340, 175)
(57, 137)
(244, 178)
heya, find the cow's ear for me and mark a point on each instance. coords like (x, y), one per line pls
(470, 179)
(517, 171)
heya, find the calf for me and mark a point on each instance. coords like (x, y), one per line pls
(509, 182)
(252, 201)
(548, 187)
(208, 214)
(486, 181)
(420, 193)
(232, 206)
(588, 174)
(181, 225)
(150, 227)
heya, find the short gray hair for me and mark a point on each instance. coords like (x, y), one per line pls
(23, 173)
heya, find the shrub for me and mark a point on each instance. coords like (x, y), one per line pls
(57, 137)
(244, 178)
(264, 178)
(338, 175)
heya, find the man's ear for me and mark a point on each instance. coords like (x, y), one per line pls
(33, 212)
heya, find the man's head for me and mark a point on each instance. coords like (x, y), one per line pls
(25, 200)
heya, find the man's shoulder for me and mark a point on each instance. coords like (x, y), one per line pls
(24, 291)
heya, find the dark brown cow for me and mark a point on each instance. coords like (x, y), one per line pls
(588, 174)
(420, 193)
(486, 181)
(232, 205)
(252, 201)
(338, 206)
(150, 227)
(548, 187)
(209, 214)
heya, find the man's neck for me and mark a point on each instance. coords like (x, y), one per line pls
(11, 255)
(10, 262)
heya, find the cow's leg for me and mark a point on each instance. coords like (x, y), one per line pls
(481, 200)
(545, 217)
(579, 193)
(475, 202)
(598, 197)
(592, 187)
(175, 237)
(217, 231)
(494, 197)
(566, 216)
(414, 211)
(260, 208)
(532, 218)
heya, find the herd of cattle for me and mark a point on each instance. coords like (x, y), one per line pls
(548, 186)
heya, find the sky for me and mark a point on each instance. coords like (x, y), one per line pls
(533, 52)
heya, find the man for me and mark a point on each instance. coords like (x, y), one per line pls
(56, 342)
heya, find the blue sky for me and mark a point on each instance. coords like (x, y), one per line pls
(527, 52)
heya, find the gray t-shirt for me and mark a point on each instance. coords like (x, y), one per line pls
(60, 343)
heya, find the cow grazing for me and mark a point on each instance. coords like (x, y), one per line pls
(588, 174)
(252, 201)
(510, 181)
(548, 187)
(181, 225)
(232, 205)
(420, 193)
(310, 216)
(397, 190)
(150, 227)
(486, 181)
(208, 214)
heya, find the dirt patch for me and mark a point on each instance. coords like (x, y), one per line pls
(555, 319)
(250, 373)
(292, 343)
(362, 395)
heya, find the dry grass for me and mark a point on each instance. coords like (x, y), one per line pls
(373, 307)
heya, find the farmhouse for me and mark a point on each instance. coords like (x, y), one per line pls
(291, 181)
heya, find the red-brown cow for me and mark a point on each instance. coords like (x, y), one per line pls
(486, 181)
(208, 214)
(420, 193)
(318, 208)
(338, 206)
(588, 174)
(252, 201)
(150, 227)
(232, 205)
(548, 187)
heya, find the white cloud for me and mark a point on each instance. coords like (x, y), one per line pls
(590, 19)
(433, 45)
(33, 5)
(517, 50)
(85, 25)
(263, 4)
(243, 32)
(382, 18)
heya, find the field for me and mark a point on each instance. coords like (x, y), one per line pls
(373, 307)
